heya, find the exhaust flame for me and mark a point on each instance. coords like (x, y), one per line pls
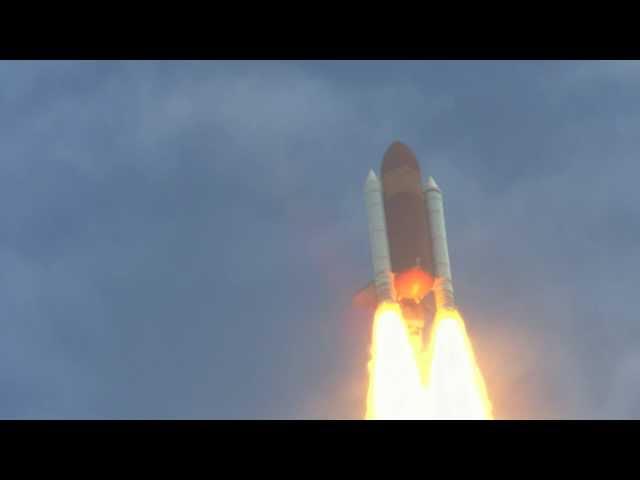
(395, 390)
(444, 382)
(455, 384)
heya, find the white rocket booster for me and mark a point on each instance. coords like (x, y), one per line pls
(378, 239)
(443, 285)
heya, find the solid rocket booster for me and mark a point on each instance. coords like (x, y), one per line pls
(378, 240)
(443, 285)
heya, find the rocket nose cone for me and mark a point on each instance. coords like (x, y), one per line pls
(431, 184)
(398, 155)
(372, 181)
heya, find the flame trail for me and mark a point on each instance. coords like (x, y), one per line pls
(454, 382)
(444, 382)
(395, 390)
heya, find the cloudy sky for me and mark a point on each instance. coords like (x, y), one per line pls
(182, 239)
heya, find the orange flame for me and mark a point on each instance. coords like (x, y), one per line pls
(412, 284)
(443, 382)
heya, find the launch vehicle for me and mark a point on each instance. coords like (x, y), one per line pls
(408, 241)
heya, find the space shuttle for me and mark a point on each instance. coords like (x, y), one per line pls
(407, 240)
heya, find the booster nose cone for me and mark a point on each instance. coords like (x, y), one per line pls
(398, 155)
(431, 184)
(372, 182)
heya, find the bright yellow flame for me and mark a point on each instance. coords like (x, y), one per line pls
(395, 390)
(444, 382)
(455, 384)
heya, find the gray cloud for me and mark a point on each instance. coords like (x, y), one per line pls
(181, 239)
